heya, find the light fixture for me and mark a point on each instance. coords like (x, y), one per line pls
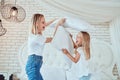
(12, 12)
(2, 30)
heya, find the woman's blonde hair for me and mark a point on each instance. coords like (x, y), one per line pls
(35, 19)
(86, 43)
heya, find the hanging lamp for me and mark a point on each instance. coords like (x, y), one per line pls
(12, 12)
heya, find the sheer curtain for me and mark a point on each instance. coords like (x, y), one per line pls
(93, 11)
(115, 39)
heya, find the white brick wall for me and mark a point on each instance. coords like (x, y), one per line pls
(17, 34)
(101, 32)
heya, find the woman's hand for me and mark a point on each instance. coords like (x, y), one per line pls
(48, 39)
(65, 51)
(61, 21)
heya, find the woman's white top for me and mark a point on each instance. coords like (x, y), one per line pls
(80, 68)
(36, 44)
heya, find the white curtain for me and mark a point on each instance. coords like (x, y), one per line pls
(115, 39)
(93, 11)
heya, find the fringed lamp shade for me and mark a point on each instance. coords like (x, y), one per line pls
(13, 13)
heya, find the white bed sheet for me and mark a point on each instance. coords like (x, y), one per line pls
(50, 68)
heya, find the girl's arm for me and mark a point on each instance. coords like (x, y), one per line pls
(73, 41)
(74, 59)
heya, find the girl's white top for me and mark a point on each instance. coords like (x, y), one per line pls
(82, 64)
(36, 44)
(80, 68)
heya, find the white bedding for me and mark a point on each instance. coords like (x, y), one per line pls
(101, 64)
(53, 73)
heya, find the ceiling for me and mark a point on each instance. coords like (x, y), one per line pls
(93, 11)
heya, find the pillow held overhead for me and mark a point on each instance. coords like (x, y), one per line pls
(62, 40)
(74, 23)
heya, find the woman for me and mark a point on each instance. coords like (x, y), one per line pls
(36, 43)
(82, 55)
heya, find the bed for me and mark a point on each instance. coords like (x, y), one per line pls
(56, 64)
(101, 64)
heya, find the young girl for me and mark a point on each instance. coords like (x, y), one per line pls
(82, 55)
(36, 43)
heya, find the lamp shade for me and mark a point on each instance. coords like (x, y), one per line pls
(13, 13)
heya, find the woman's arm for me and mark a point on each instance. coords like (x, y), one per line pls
(49, 39)
(48, 23)
(74, 59)
(60, 22)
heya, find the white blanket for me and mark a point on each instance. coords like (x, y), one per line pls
(53, 62)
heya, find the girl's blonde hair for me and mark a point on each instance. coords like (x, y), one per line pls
(86, 43)
(36, 18)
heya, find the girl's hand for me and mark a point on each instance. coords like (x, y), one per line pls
(76, 51)
(65, 51)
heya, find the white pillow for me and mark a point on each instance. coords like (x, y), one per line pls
(74, 23)
(77, 24)
(61, 40)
